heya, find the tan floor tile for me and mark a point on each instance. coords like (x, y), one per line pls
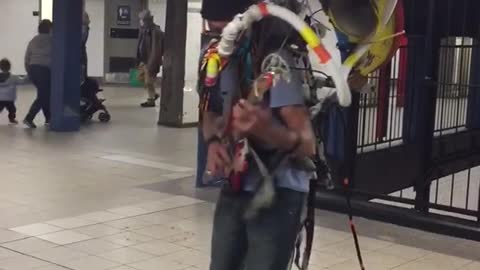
(342, 249)
(36, 229)
(123, 268)
(384, 260)
(90, 263)
(158, 247)
(126, 255)
(323, 260)
(191, 225)
(5, 253)
(51, 267)
(472, 266)
(94, 246)
(187, 238)
(128, 238)
(192, 211)
(65, 237)
(353, 264)
(98, 230)
(179, 201)
(129, 211)
(417, 265)
(59, 254)
(21, 262)
(101, 216)
(368, 243)
(8, 236)
(324, 237)
(70, 223)
(153, 206)
(446, 261)
(410, 253)
(159, 263)
(158, 231)
(159, 218)
(128, 224)
(190, 257)
(29, 245)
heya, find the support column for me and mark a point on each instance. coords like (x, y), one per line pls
(173, 82)
(65, 98)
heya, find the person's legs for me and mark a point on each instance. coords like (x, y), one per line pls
(229, 240)
(2, 105)
(149, 82)
(44, 93)
(35, 76)
(273, 233)
(12, 112)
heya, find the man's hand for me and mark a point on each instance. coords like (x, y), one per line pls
(218, 160)
(249, 119)
(357, 81)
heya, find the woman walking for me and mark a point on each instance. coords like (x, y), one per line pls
(38, 59)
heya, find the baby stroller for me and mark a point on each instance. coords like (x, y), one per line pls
(90, 103)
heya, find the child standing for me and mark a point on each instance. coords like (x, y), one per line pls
(8, 90)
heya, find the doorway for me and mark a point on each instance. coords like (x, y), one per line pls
(121, 37)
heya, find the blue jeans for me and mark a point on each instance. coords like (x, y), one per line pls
(266, 242)
(40, 77)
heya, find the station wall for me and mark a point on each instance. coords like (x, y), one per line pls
(18, 26)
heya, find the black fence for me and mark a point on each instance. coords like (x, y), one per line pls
(414, 155)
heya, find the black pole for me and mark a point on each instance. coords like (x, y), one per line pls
(426, 125)
(173, 78)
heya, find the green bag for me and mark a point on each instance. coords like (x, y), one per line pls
(134, 78)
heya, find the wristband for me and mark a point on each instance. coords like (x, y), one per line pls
(213, 139)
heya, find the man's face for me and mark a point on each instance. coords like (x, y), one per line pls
(146, 22)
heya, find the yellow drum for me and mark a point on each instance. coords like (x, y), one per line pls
(379, 22)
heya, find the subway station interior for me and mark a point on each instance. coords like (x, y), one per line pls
(114, 183)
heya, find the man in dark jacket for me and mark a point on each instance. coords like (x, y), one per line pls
(150, 54)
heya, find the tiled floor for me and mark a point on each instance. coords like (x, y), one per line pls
(120, 196)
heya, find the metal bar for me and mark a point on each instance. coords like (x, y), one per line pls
(452, 189)
(383, 102)
(478, 206)
(461, 72)
(398, 111)
(364, 122)
(446, 208)
(427, 106)
(468, 189)
(392, 105)
(453, 209)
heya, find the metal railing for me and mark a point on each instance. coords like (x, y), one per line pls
(416, 161)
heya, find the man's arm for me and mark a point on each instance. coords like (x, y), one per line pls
(210, 125)
(156, 57)
(296, 136)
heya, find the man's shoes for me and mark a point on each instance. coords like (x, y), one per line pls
(148, 104)
(29, 124)
(13, 121)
